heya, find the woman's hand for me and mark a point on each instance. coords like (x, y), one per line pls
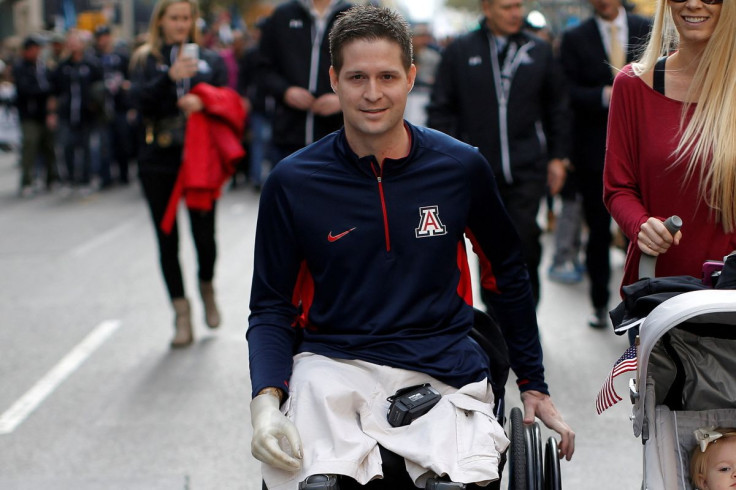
(183, 68)
(654, 238)
(190, 103)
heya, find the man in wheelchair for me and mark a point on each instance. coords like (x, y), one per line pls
(361, 288)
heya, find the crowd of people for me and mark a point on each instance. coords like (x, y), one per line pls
(617, 115)
(67, 108)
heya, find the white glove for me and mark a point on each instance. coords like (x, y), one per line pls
(269, 426)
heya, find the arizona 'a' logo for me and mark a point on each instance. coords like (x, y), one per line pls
(430, 223)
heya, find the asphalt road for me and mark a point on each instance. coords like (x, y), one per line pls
(91, 396)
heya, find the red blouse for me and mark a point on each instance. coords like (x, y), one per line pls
(641, 179)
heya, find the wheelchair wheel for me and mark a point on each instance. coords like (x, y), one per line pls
(535, 469)
(517, 460)
(552, 474)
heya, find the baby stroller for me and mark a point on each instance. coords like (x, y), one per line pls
(686, 361)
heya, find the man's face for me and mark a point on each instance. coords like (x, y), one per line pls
(606, 9)
(503, 17)
(74, 44)
(104, 42)
(373, 86)
(31, 53)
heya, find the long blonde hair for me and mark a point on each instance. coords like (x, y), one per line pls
(155, 42)
(710, 135)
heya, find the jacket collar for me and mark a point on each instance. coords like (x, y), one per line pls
(518, 38)
(365, 164)
(334, 6)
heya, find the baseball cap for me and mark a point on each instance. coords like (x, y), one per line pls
(32, 41)
(101, 30)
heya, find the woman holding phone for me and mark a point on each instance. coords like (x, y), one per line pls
(163, 71)
(671, 146)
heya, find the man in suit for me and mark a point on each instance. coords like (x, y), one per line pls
(501, 89)
(591, 55)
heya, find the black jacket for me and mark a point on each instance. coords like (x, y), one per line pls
(79, 88)
(33, 88)
(586, 67)
(467, 104)
(155, 96)
(115, 71)
(247, 85)
(286, 59)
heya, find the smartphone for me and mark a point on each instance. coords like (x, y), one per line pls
(190, 50)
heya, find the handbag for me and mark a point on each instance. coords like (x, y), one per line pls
(166, 132)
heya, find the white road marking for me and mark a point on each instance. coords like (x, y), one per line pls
(21, 409)
(85, 248)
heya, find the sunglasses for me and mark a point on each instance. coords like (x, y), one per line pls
(707, 2)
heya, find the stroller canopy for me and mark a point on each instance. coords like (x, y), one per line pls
(698, 358)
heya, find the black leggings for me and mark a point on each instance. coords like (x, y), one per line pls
(157, 187)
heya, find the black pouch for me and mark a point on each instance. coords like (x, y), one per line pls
(166, 132)
(408, 404)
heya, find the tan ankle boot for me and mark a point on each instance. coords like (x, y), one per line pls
(183, 335)
(211, 313)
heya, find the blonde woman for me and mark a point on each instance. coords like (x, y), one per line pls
(672, 140)
(163, 72)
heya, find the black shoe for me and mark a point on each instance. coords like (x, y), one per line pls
(599, 318)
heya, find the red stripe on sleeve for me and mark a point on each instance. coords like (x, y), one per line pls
(487, 278)
(464, 285)
(303, 295)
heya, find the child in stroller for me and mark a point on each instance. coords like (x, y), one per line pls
(713, 464)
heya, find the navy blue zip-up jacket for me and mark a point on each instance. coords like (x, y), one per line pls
(370, 264)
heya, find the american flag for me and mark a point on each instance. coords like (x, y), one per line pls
(608, 397)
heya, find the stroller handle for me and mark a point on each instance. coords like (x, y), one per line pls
(673, 224)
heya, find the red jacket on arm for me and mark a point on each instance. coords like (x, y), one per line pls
(212, 148)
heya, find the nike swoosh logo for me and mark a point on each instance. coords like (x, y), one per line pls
(333, 238)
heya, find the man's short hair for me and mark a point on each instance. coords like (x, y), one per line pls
(31, 41)
(102, 30)
(367, 22)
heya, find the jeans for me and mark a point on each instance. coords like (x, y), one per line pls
(75, 140)
(115, 141)
(157, 187)
(260, 142)
(38, 140)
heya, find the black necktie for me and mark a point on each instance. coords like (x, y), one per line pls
(502, 50)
